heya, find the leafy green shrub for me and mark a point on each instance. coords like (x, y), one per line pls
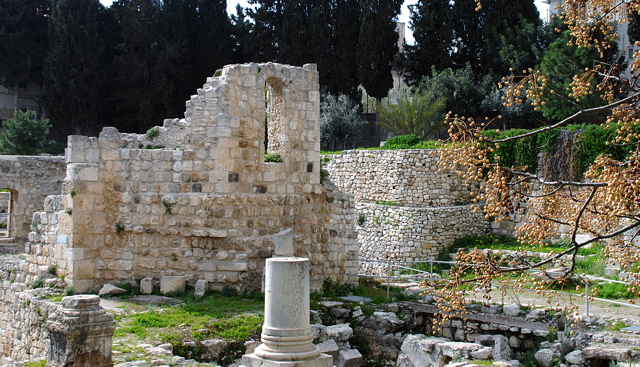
(421, 114)
(612, 291)
(272, 157)
(24, 135)
(37, 283)
(336, 289)
(401, 140)
(515, 153)
(152, 133)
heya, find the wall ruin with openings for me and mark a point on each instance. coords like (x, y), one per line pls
(195, 196)
(28, 180)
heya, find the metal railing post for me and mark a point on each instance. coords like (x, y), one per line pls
(431, 268)
(586, 294)
(388, 277)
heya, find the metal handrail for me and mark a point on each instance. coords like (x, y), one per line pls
(390, 264)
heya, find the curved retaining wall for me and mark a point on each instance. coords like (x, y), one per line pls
(407, 207)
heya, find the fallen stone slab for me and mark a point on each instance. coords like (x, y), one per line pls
(349, 358)
(340, 332)
(108, 290)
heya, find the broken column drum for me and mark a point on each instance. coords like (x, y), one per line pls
(81, 333)
(286, 332)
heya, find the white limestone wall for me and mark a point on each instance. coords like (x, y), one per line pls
(412, 234)
(407, 207)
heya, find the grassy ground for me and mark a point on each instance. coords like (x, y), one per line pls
(234, 319)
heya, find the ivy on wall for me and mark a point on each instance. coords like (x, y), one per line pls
(585, 141)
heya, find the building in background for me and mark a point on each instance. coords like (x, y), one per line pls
(28, 97)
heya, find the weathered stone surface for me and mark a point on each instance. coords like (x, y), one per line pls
(383, 322)
(30, 180)
(81, 333)
(349, 358)
(512, 310)
(213, 349)
(146, 285)
(575, 357)
(606, 352)
(419, 349)
(340, 332)
(329, 347)
(482, 353)
(203, 200)
(404, 361)
(546, 357)
(110, 290)
(172, 284)
(500, 345)
(420, 226)
(201, 288)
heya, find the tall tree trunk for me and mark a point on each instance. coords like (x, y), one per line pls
(16, 96)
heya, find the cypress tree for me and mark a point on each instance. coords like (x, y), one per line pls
(214, 45)
(378, 45)
(432, 25)
(75, 77)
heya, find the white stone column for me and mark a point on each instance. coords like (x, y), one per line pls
(286, 332)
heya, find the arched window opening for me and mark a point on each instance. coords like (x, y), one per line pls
(6, 213)
(274, 123)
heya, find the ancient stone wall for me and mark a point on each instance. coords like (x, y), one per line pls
(23, 316)
(407, 207)
(194, 197)
(398, 233)
(407, 177)
(29, 180)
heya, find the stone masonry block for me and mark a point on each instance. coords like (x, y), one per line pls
(172, 284)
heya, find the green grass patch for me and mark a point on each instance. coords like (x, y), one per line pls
(389, 203)
(330, 152)
(612, 291)
(499, 242)
(214, 316)
(616, 325)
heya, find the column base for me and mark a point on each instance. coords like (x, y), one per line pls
(251, 360)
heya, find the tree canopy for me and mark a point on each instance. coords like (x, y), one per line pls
(605, 207)
(454, 34)
(24, 134)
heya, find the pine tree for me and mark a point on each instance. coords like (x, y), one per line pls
(75, 73)
(24, 134)
(378, 45)
(267, 19)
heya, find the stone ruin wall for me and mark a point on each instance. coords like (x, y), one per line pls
(23, 315)
(198, 200)
(407, 209)
(30, 180)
